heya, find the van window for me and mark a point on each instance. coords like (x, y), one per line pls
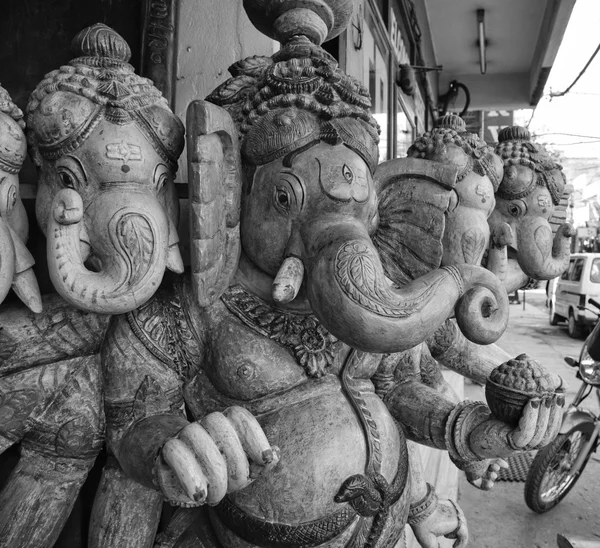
(565, 274)
(595, 272)
(577, 270)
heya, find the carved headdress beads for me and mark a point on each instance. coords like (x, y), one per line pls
(515, 148)
(451, 130)
(13, 146)
(299, 95)
(99, 84)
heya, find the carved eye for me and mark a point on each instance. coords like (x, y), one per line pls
(67, 180)
(347, 173)
(282, 199)
(517, 208)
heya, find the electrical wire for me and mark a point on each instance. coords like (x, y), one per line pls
(533, 114)
(567, 134)
(569, 144)
(561, 93)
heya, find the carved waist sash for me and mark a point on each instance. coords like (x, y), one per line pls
(308, 534)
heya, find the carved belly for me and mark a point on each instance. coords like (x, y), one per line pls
(322, 444)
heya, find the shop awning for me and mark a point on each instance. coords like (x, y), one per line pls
(523, 37)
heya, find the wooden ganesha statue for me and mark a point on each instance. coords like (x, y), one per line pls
(531, 199)
(15, 261)
(415, 233)
(106, 145)
(254, 386)
(287, 317)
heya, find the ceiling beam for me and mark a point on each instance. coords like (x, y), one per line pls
(554, 24)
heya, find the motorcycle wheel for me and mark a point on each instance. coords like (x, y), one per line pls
(549, 478)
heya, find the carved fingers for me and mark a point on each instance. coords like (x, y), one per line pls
(222, 453)
(539, 423)
(502, 235)
(554, 420)
(446, 521)
(483, 474)
(461, 533)
(191, 470)
(566, 230)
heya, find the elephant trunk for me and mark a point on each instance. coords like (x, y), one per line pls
(356, 302)
(539, 255)
(129, 235)
(7, 259)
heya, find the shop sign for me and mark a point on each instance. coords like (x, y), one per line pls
(396, 39)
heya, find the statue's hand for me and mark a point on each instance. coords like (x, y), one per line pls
(502, 235)
(483, 473)
(538, 426)
(447, 520)
(222, 453)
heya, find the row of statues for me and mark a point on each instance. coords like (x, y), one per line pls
(274, 391)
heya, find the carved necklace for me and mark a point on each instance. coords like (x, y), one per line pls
(302, 334)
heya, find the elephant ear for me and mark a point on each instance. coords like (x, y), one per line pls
(559, 215)
(215, 187)
(414, 196)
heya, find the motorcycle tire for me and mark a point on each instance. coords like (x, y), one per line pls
(549, 460)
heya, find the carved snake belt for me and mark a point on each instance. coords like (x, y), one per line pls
(311, 533)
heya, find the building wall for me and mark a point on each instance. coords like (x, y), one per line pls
(211, 37)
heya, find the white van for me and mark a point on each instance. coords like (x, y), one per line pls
(576, 285)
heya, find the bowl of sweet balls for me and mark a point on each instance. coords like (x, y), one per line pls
(512, 384)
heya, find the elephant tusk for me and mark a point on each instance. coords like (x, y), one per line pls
(288, 280)
(174, 259)
(24, 282)
(26, 287)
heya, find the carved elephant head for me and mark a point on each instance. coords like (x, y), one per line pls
(467, 234)
(106, 145)
(531, 200)
(309, 208)
(15, 260)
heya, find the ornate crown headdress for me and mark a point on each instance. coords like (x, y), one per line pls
(99, 84)
(299, 96)
(515, 148)
(451, 129)
(12, 138)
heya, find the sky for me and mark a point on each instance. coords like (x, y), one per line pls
(578, 112)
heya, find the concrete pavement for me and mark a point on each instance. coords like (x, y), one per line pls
(500, 518)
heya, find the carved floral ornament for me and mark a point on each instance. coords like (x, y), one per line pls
(13, 147)
(308, 341)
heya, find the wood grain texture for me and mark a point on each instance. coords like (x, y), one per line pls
(60, 332)
(215, 188)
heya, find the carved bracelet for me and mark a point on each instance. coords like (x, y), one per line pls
(420, 511)
(461, 422)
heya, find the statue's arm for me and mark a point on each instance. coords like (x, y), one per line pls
(143, 401)
(473, 361)
(58, 333)
(422, 411)
(467, 430)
